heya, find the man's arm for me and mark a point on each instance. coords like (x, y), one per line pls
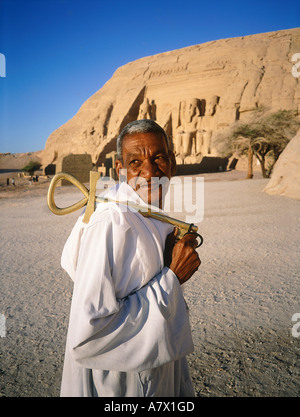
(146, 329)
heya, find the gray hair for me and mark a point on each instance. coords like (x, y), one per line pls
(139, 126)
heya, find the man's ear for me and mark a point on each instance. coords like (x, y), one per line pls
(173, 163)
(119, 167)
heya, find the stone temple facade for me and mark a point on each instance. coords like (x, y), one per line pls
(194, 93)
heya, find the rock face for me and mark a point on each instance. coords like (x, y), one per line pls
(286, 175)
(193, 92)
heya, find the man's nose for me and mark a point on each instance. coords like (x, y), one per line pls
(149, 170)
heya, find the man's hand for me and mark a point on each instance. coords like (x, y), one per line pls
(181, 257)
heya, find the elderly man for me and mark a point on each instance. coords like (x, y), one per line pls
(129, 331)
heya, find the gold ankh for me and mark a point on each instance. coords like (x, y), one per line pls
(89, 199)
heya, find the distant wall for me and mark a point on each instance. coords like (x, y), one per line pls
(78, 165)
(208, 164)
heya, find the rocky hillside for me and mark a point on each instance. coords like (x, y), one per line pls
(16, 161)
(193, 92)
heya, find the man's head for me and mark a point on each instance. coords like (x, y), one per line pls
(143, 150)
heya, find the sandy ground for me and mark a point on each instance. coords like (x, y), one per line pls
(241, 300)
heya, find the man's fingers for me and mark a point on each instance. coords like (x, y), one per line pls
(191, 239)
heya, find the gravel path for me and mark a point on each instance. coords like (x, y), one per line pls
(241, 300)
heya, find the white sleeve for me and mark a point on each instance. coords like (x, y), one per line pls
(143, 330)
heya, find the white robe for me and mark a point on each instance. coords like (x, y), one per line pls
(129, 329)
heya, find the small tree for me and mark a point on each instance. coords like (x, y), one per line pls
(31, 167)
(245, 140)
(278, 129)
(268, 135)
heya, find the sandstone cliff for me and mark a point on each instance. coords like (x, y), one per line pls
(192, 92)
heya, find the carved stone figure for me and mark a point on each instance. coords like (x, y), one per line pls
(145, 111)
(206, 125)
(185, 137)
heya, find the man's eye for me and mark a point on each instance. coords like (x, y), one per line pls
(160, 158)
(134, 162)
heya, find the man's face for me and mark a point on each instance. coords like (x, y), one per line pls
(147, 159)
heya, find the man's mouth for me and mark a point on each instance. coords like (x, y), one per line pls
(153, 191)
(143, 184)
(150, 186)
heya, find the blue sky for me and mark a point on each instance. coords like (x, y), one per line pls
(60, 52)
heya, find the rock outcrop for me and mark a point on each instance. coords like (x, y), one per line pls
(193, 92)
(285, 179)
(16, 161)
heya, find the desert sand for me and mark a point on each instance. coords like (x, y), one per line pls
(241, 299)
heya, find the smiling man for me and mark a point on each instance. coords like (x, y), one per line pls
(129, 330)
(143, 150)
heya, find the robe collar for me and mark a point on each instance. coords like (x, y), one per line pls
(123, 192)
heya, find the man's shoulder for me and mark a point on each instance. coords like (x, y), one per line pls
(110, 213)
(115, 207)
(101, 214)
